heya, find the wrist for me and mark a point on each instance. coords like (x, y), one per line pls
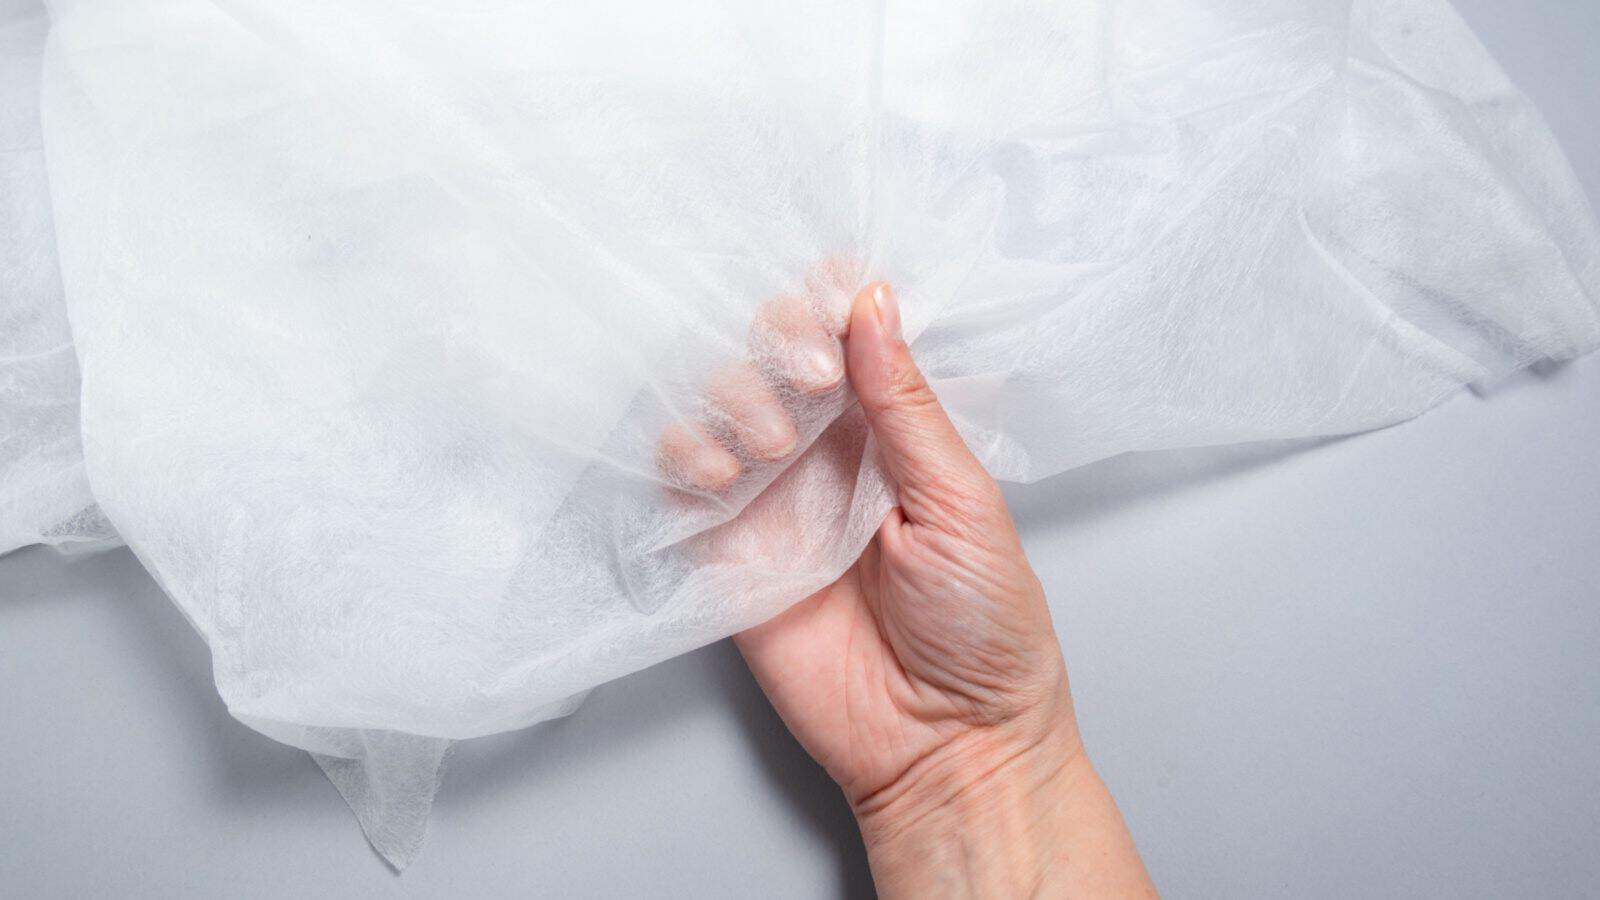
(990, 813)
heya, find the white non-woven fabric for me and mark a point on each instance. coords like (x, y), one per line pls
(44, 494)
(382, 308)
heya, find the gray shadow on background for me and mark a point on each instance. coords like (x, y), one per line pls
(622, 713)
(248, 770)
(1103, 487)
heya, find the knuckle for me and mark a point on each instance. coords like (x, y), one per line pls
(908, 389)
(974, 502)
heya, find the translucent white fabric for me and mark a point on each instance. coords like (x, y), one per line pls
(381, 308)
(44, 494)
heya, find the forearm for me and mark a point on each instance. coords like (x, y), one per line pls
(1033, 822)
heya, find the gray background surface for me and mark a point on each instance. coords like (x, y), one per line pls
(1364, 667)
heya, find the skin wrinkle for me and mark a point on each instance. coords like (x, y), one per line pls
(920, 770)
(976, 598)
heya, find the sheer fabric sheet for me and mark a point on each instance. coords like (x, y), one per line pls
(381, 309)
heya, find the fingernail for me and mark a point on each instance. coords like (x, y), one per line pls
(772, 432)
(713, 468)
(888, 308)
(824, 367)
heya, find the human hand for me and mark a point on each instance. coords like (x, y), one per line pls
(928, 680)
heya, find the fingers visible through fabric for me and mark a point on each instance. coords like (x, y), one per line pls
(794, 345)
(794, 352)
(743, 403)
(690, 458)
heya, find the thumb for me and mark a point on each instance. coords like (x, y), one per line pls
(941, 483)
